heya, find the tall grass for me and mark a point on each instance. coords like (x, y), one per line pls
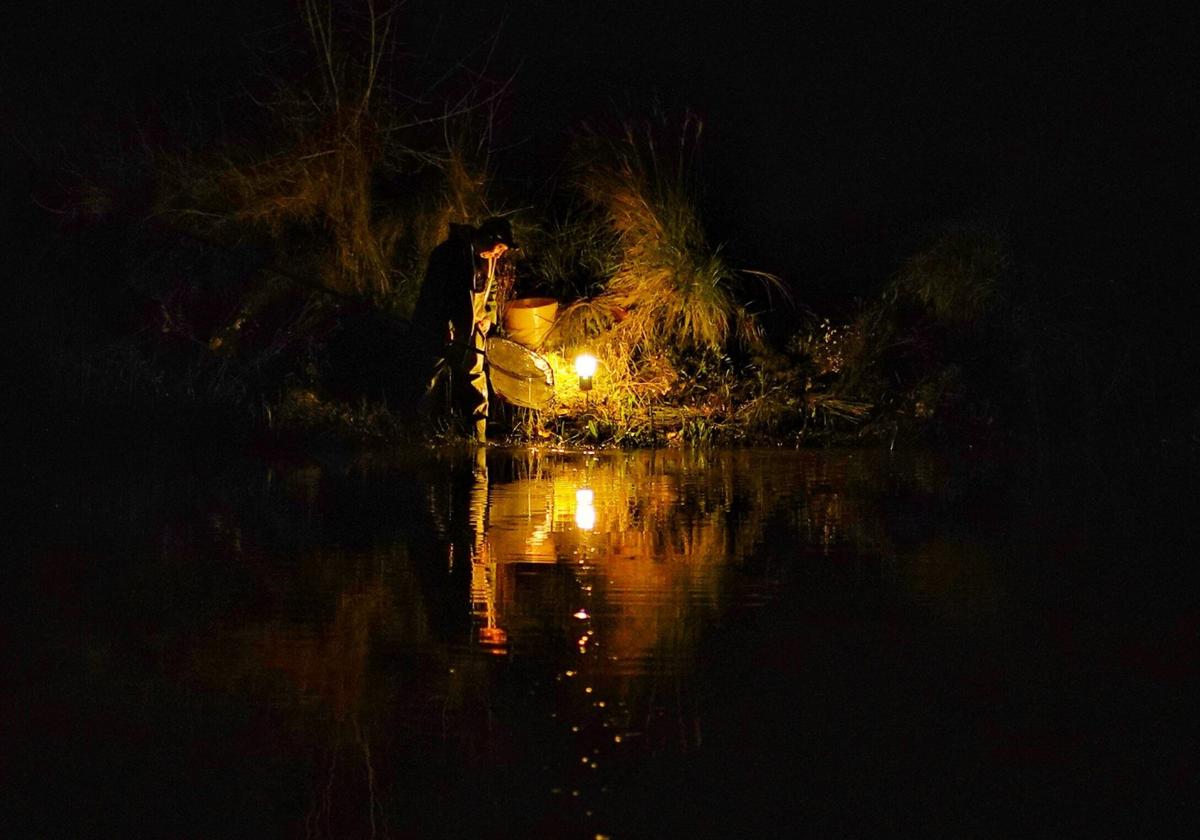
(668, 287)
(959, 276)
(647, 293)
(257, 246)
(935, 351)
(351, 182)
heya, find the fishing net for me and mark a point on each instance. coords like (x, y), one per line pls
(519, 376)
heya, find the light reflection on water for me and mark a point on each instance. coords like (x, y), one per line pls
(610, 567)
(503, 644)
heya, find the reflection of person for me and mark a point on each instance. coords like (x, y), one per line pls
(483, 565)
(456, 310)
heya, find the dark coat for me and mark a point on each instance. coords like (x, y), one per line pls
(445, 297)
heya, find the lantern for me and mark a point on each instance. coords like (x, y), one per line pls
(585, 366)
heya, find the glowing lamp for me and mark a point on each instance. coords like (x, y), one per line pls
(585, 366)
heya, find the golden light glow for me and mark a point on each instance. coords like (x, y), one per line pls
(493, 638)
(585, 511)
(585, 365)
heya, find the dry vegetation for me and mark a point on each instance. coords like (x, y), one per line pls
(351, 182)
(660, 307)
(315, 226)
(669, 287)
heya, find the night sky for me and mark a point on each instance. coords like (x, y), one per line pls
(837, 135)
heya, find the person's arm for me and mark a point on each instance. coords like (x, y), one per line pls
(481, 301)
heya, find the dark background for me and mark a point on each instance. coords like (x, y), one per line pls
(841, 132)
(831, 127)
(838, 136)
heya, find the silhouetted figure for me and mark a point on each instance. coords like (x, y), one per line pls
(454, 313)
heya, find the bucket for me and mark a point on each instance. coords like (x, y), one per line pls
(527, 320)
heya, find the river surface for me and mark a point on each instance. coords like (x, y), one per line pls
(620, 644)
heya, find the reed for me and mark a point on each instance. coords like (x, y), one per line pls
(665, 285)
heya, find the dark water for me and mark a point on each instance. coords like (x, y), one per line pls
(643, 644)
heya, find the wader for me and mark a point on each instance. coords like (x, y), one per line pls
(483, 311)
(455, 304)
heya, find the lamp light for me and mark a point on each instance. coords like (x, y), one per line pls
(585, 511)
(585, 366)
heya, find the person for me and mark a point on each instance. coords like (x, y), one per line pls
(455, 311)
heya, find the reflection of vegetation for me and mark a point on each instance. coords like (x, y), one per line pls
(641, 584)
(680, 537)
(284, 626)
